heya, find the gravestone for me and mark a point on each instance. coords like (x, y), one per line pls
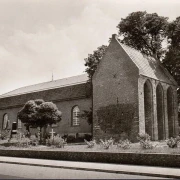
(14, 130)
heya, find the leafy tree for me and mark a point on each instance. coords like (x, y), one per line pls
(172, 63)
(140, 30)
(144, 32)
(172, 58)
(87, 115)
(38, 113)
(173, 33)
(93, 60)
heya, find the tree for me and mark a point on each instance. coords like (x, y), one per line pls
(93, 60)
(140, 30)
(144, 32)
(87, 115)
(38, 113)
(172, 63)
(173, 33)
(172, 58)
(147, 33)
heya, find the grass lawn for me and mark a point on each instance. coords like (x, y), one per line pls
(161, 147)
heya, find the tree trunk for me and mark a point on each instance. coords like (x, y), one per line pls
(44, 134)
(92, 108)
(27, 128)
(40, 135)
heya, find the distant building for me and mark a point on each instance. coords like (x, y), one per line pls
(131, 94)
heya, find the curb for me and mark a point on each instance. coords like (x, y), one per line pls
(96, 170)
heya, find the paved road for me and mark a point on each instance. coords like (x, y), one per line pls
(9, 177)
(12, 171)
(36, 172)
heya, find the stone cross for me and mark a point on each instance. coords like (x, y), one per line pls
(52, 134)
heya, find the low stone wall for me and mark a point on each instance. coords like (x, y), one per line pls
(164, 160)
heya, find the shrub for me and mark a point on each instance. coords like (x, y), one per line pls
(5, 134)
(34, 141)
(71, 139)
(145, 141)
(56, 142)
(107, 143)
(88, 137)
(9, 144)
(27, 134)
(144, 137)
(124, 144)
(21, 134)
(90, 144)
(23, 142)
(173, 142)
(78, 138)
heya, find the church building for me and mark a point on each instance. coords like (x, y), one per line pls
(130, 93)
(71, 96)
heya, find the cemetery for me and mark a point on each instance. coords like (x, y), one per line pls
(50, 145)
(144, 152)
(54, 142)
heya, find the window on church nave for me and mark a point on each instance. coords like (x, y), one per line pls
(19, 124)
(5, 121)
(75, 116)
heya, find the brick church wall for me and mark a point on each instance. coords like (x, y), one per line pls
(115, 95)
(165, 86)
(65, 98)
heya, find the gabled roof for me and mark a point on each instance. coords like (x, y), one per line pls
(148, 66)
(74, 80)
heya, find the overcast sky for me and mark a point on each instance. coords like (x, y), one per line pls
(41, 36)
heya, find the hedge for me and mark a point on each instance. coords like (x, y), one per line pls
(151, 159)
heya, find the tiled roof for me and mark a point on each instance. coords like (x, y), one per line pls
(148, 66)
(48, 85)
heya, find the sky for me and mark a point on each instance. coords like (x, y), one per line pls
(38, 37)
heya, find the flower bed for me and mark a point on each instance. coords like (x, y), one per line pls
(134, 153)
(161, 147)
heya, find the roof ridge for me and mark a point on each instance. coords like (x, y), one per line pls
(167, 73)
(144, 55)
(24, 87)
(144, 62)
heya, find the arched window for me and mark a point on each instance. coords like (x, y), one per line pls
(75, 116)
(5, 121)
(170, 109)
(148, 108)
(160, 112)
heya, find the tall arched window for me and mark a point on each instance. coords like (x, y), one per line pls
(170, 109)
(75, 116)
(5, 121)
(148, 108)
(160, 112)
